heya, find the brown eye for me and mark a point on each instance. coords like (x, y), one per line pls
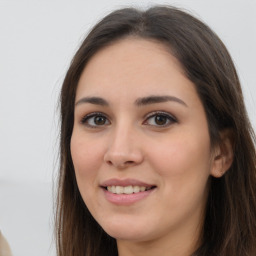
(95, 120)
(160, 119)
(100, 120)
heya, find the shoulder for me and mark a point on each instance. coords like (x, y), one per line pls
(5, 249)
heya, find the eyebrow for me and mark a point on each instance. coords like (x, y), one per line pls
(92, 100)
(153, 99)
(158, 99)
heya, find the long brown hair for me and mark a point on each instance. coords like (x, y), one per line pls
(230, 219)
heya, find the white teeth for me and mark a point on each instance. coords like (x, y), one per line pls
(119, 190)
(113, 189)
(136, 189)
(142, 188)
(126, 190)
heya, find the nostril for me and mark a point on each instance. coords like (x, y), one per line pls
(109, 162)
(120, 164)
(129, 162)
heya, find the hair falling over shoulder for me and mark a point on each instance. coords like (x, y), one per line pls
(230, 216)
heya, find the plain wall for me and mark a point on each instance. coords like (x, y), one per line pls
(37, 42)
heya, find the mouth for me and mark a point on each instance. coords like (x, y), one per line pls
(126, 191)
(130, 189)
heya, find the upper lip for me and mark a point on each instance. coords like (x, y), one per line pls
(125, 182)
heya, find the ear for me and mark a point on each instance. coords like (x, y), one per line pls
(223, 154)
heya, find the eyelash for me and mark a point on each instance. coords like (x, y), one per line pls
(87, 118)
(169, 119)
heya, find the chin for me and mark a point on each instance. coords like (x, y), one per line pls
(127, 235)
(130, 232)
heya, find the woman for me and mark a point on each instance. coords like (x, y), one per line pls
(157, 152)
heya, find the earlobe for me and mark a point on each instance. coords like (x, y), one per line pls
(223, 155)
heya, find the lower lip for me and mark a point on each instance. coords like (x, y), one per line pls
(126, 199)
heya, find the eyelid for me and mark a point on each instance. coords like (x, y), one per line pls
(172, 118)
(164, 113)
(93, 114)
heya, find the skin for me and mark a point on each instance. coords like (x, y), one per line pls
(176, 157)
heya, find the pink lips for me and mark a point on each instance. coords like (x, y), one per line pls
(125, 199)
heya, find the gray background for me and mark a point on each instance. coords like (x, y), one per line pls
(37, 42)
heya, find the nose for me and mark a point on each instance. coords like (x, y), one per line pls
(124, 149)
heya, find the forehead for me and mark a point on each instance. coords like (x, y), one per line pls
(133, 66)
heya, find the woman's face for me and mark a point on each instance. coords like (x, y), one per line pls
(140, 143)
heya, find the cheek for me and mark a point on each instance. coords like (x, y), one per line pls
(87, 159)
(184, 167)
(183, 161)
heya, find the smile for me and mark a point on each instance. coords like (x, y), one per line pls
(127, 189)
